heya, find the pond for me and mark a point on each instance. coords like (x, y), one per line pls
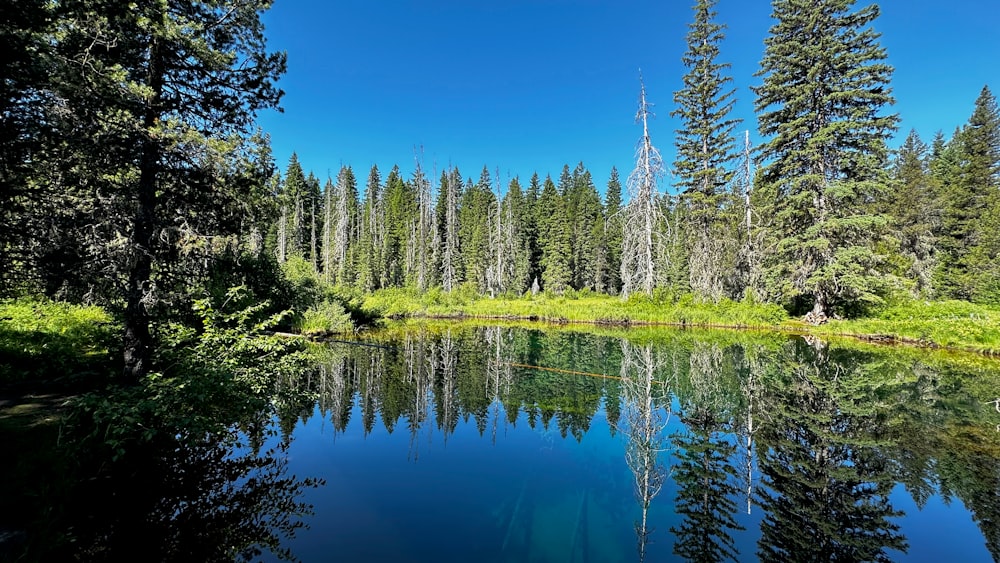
(445, 442)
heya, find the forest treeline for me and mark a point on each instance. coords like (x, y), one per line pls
(132, 175)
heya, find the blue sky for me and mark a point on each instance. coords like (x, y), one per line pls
(530, 85)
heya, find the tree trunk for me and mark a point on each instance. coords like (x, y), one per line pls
(138, 340)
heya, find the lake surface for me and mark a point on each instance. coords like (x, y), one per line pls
(460, 443)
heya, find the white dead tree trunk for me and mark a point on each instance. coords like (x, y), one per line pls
(424, 227)
(283, 235)
(751, 244)
(450, 234)
(644, 437)
(641, 214)
(313, 251)
(494, 271)
(342, 228)
(449, 378)
(328, 265)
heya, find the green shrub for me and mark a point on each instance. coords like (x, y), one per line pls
(328, 317)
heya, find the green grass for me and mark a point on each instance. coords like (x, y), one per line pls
(50, 340)
(576, 307)
(955, 325)
(948, 324)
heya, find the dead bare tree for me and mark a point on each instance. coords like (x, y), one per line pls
(328, 203)
(423, 228)
(450, 235)
(644, 436)
(282, 249)
(750, 264)
(641, 215)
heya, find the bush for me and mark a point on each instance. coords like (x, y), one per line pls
(329, 317)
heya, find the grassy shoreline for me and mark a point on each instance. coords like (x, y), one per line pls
(949, 325)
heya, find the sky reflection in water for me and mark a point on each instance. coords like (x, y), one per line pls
(437, 445)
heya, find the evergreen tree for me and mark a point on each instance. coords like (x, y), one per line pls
(400, 212)
(966, 179)
(515, 212)
(586, 215)
(477, 203)
(914, 214)
(531, 229)
(825, 84)
(27, 69)
(705, 146)
(553, 236)
(294, 192)
(343, 223)
(613, 231)
(372, 234)
(168, 92)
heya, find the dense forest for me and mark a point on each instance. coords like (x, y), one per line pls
(132, 175)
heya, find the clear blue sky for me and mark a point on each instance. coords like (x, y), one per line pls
(530, 85)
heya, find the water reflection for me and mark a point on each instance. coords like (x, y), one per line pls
(709, 447)
(647, 412)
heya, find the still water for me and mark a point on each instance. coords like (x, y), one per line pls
(486, 443)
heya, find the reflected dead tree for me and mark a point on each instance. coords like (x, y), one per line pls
(499, 371)
(419, 376)
(644, 436)
(334, 398)
(747, 425)
(447, 396)
(371, 392)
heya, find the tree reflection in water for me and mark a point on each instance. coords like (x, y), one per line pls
(826, 477)
(193, 502)
(815, 437)
(647, 403)
(705, 475)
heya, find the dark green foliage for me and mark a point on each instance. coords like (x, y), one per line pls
(967, 173)
(400, 211)
(706, 492)
(554, 239)
(705, 143)
(370, 249)
(825, 84)
(826, 481)
(477, 204)
(915, 216)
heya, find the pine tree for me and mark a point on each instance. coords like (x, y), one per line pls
(613, 231)
(825, 84)
(585, 213)
(515, 213)
(705, 148)
(531, 229)
(981, 178)
(553, 238)
(293, 195)
(476, 206)
(372, 234)
(400, 213)
(914, 214)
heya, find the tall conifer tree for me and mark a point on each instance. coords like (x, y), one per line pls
(825, 86)
(705, 147)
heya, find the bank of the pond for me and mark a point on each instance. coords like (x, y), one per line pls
(952, 325)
